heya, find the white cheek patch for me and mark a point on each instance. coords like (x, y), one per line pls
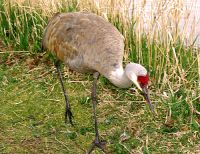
(134, 79)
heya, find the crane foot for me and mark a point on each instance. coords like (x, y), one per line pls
(69, 116)
(99, 144)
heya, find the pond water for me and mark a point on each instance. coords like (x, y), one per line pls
(189, 22)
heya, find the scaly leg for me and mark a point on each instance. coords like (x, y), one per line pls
(97, 142)
(68, 113)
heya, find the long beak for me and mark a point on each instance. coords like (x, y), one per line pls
(147, 98)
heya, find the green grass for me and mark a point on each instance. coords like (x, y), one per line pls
(32, 114)
(21, 28)
(32, 103)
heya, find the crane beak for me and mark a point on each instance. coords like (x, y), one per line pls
(147, 98)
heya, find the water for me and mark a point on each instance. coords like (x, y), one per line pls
(188, 26)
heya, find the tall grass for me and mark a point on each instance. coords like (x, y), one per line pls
(21, 26)
(156, 41)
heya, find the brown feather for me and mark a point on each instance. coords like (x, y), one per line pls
(85, 42)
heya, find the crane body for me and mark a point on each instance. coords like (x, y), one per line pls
(79, 38)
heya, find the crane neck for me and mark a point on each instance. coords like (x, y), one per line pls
(119, 78)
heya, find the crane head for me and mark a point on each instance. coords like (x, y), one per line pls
(138, 75)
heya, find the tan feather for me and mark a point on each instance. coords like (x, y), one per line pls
(85, 42)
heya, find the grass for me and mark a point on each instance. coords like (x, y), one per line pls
(32, 104)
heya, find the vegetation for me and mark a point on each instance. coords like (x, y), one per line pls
(32, 104)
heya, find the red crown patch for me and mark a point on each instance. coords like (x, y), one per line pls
(143, 80)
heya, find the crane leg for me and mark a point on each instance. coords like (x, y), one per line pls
(68, 113)
(97, 142)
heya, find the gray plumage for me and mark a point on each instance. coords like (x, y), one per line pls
(85, 42)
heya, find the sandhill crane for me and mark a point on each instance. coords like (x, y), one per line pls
(87, 43)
